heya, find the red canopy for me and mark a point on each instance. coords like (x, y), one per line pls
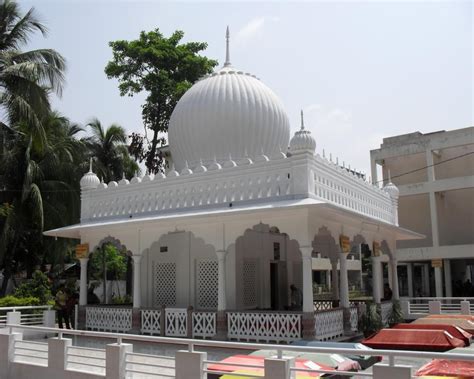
(259, 361)
(455, 331)
(462, 323)
(413, 339)
(444, 315)
(443, 367)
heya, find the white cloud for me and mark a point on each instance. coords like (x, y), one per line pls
(253, 29)
(250, 30)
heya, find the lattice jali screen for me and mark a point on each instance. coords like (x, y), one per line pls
(164, 284)
(249, 282)
(207, 284)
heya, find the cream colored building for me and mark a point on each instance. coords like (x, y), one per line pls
(435, 175)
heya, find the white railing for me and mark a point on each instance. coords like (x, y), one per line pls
(30, 352)
(338, 186)
(385, 312)
(415, 307)
(274, 179)
(322, 305)
(329, 324)
(176, 322)
(354, 318)
(260, 326)
(151, 321)
(111, 319)
(121, 361)
(149, 365)
(27, 315)
(204, 324)
(85, 359)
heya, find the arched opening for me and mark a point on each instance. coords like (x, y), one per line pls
(109, 273)
(324, 246)
(359, 279)
(179, 270)
(266, 263)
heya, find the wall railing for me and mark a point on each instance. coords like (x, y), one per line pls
(189, 361)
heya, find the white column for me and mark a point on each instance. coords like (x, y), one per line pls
(373, 169)
(426, 280)
(344, 282)
(137, 291)
(307, 260)
(448, 284)
(393, 269)
(83, 282)
(433, 212)
(410, 279)
(376, 279)
(221, 280)
(334, 279)
(328, 279)
(438, 281)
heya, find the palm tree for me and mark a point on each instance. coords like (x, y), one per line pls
(26, 77)
(40, 189)
(111, 153)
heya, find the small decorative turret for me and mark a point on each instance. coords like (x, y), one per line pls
(200, 167)
(394, 194)
(124, 181)
(302, 140)
(172, 173)
(214, 165)
(229, 163)
(148, 177)
(186, 170)
(90, 180)
(135, 179)
(102, 185)
(391, 188)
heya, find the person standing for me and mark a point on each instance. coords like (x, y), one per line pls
(61, 307)
(296, 298)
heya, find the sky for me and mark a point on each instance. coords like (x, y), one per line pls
(361, 71)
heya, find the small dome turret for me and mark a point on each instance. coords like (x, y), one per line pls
(124, 181)
(302, 140)
(391, 188)
(90, 180)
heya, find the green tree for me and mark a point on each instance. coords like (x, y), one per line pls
(40, 190)
(109, 149)
(164, 69)
(26, 77)
(109, 263)
(38, 286)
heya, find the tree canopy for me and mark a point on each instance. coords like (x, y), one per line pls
(165, 69)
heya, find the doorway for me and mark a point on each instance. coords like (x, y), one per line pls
(278, 286)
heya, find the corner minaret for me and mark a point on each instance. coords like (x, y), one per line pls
(89, 180)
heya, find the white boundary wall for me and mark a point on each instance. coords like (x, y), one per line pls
(118, 360)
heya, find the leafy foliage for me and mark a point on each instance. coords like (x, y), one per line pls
(370, 321)
(13, 301)
(109, 149)
(26, 77)
(396, 315)
(164, 68)
(37, 287)
(115, 263)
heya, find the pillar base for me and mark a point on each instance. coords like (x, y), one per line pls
(136, 321)
(308, 324)
(347, 322)
(221, 326)
(81, 318)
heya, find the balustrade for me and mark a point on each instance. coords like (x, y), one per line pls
(264, 326)
(176, 322)
(109, 319)
(151, 321)
(204, 324)
(262, 180)
(329, 324)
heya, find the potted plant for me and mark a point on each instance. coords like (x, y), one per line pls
(370, 321)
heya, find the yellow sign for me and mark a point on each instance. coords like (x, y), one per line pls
(436, 263)
(82, 250)
(376, 249)
(345, 243)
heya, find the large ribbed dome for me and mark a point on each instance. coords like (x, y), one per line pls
(227, 113)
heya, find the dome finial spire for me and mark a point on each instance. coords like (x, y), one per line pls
(227, 51)
(302, 120)
(90, 164)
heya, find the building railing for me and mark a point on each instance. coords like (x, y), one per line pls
(415, 307)
(189, 361)
(28, 315)
(109, 319)
(329, 324)
(277, 179)
(264, 326)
